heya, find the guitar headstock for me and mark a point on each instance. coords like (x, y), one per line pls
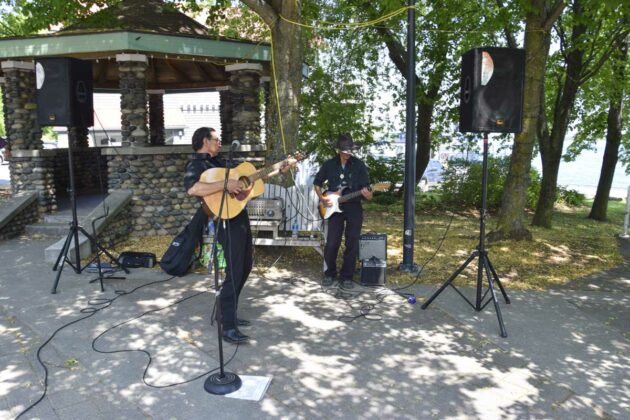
(381, 186)
(292, 160)
(295, 157)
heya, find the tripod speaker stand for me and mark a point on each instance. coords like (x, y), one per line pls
(73, 235)
(484, 260)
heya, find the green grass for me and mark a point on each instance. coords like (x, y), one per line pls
(574, 247)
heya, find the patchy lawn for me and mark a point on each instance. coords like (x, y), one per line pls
(574, 247)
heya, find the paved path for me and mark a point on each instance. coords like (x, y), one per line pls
(566, 355)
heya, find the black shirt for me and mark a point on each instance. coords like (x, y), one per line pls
(197, 165)
(353, 177)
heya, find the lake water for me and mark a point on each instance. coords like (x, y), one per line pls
(583, 173)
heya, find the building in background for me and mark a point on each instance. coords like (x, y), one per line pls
(183, 114)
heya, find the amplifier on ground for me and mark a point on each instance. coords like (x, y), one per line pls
(373, 245)
(373, 272)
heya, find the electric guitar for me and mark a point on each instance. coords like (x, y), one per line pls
(250, 181)
(336, 198)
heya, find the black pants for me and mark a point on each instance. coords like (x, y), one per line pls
(236, 240)
(349, 220)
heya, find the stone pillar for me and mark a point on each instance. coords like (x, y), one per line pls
(225, 112)
(34, 170)
(78, 137)
(156, 117)
(20, 110)
(133, 98)
(7, 147)
(244, 88)
(265, 84)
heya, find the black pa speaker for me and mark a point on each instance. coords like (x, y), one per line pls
(492, 90)
(64, 92)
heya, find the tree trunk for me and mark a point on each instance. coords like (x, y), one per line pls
(613, 140)
(288, 57)
(551, 145)
(423, 137)
(511, 221)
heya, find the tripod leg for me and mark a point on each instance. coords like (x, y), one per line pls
(480, 268)
(63, 252)
(496, 279)
(426, 304)
(484, 259)
(61, 259)
(103, 250)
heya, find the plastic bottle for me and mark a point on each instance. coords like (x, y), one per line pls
(294, 230)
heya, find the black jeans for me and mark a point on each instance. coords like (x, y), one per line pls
(350, 220)
(236, 240)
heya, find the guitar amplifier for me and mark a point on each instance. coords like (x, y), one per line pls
(373, 245)
(265, 209)
(373, 272)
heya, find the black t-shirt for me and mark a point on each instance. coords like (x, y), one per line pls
(351, 177)
(197, 165)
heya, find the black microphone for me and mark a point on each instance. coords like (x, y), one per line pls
(235, 145)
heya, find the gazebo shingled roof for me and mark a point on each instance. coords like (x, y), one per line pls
(143, 15)
(182, 56)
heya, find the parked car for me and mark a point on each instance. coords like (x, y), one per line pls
(432, 175)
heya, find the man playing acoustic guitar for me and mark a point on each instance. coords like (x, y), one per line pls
(345, 174)
(234, 235)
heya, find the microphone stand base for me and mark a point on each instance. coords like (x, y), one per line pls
(218, 384)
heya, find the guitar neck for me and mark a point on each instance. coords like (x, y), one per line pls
(264, 172)
(350, 196)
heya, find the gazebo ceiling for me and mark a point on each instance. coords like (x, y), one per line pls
(180, 53)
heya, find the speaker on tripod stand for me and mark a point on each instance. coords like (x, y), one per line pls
(64, 98)
(491, 101)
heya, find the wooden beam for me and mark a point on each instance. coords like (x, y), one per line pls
(202, 70)
(177, 71)
(102, 71)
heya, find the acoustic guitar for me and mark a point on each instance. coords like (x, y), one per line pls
(336, 198)
(250, 181)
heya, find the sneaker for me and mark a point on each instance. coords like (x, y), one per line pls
(346, 284)
(328, 281)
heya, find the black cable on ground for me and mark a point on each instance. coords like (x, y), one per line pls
(96, 305)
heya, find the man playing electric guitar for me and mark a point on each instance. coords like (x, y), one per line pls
(348, 174)
(234, 235)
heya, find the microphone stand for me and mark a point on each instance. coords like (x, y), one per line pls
(222, 382)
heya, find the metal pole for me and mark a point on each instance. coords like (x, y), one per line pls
(407, 264)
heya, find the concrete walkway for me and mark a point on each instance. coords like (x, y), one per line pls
(566, 355)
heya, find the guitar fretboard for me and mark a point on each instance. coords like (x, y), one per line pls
(350, 196)
(264, 172)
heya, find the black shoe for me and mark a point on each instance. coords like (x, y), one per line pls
(242, 322)
(346, 284)
(234, 336)
(328, 281)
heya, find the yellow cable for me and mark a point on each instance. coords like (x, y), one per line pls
(342, 26)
